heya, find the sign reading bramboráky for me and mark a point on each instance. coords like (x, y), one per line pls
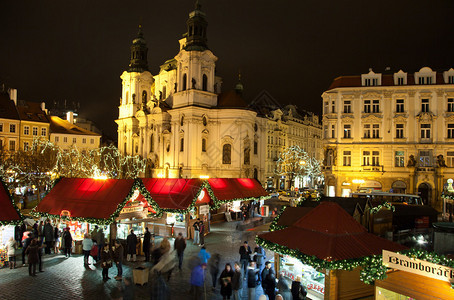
(421, 267)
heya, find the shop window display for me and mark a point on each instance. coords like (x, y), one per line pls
(311, 279)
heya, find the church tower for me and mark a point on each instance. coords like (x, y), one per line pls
(195, 78)
(137, 84)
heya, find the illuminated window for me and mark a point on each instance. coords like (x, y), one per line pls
(399, 159)
(425, 158)
(366, 158)
(26, 130)
(347, 158)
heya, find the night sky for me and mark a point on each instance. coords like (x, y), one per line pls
(77, 50)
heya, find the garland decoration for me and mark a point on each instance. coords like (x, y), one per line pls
(387, 205)
(273, 225)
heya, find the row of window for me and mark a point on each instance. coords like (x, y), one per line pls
(372, 131)
(401, 80)
(65, 140)
(12, 129)
(194, 82)
(373, 106)
(372, 158)
(279, 141)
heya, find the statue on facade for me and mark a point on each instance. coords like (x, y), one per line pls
(441, 161)
(411, 161)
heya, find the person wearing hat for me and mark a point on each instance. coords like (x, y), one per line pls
(68, 240)
(298, 291)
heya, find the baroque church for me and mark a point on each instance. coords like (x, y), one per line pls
(181, 122)
(179, 119)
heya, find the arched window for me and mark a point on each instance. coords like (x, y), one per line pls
(204, 145)
(204, 121)
(185, 79)
(205, 82)
(164, 92)
(247, 157)
(144, 97)
(227, 154)
(182, 121)
(181, 144)
(255, 147)
(151, 143)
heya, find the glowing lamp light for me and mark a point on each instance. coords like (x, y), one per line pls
(358, 181)
(204, 177)
(100, 177)
(160, 175)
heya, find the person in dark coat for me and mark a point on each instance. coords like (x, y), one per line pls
(48, 232)
(283, 286)
(131, 244)
(252, 280)
(202, 234)
(237, 282)
(32, 255)
(298, 291)
(259, 258)
(146, 244)
(68, 241)
(179, 245)
(269, 282)
(245, 252)
(106, 262)
(118, 254)
(26, 243)
(213, 267)
(226, 281)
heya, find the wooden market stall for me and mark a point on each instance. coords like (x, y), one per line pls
(327, 248)
(10, 216)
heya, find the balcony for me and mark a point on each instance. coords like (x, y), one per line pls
(425, 169)
(425, 140)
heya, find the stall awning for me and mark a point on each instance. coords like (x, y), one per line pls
(8, 212)
(330, 233)
(226, 189)
(173, 193)
(86, 197)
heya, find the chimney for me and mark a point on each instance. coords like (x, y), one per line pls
(43, 107)
(70, 117)
(13, 95)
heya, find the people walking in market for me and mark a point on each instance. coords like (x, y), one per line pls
(237, 282)
(118, 253)
(94, 234)
(68, 242)
(11, 247)
(213, 268)
(298, 291)
(196, 226)
(179, 245)
(204, 255)
(35, 229)
(131, 246)
(87, 244)
(245, 256)
(252, 280)
(198, 281)
(226, 281)
(269, 281)
(146, 244)
(32, 257)
(159, 287)
(26, 243)
(259, 258)
(100, 238)
(202, 234)
(283, 287)
(48, 232)
(56, 239)
(106, 262)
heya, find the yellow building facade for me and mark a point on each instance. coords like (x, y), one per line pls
(390, 132)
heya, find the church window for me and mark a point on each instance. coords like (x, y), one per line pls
(227, 154)
(204, 121)
(185, 79)
(205, 82)
(204, 145)
(247, 156)
(182, 121)
(151, 143)
(133, 98)
(181, 144)
(255, 147)
(137, 148)
(164, 92)
(144, 97)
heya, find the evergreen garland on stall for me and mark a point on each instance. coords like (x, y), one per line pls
(11, 222)
(387, 205)
(273, 225)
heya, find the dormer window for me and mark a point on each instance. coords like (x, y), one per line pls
(449, 76)
(425, 76)
(425, 80)
(400, 78)
(400, 81)
(371, 79)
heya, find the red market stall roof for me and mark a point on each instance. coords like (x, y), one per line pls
(173, 193)
(229, 189)
(86, 198)
(329, 233)
(9, 213)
